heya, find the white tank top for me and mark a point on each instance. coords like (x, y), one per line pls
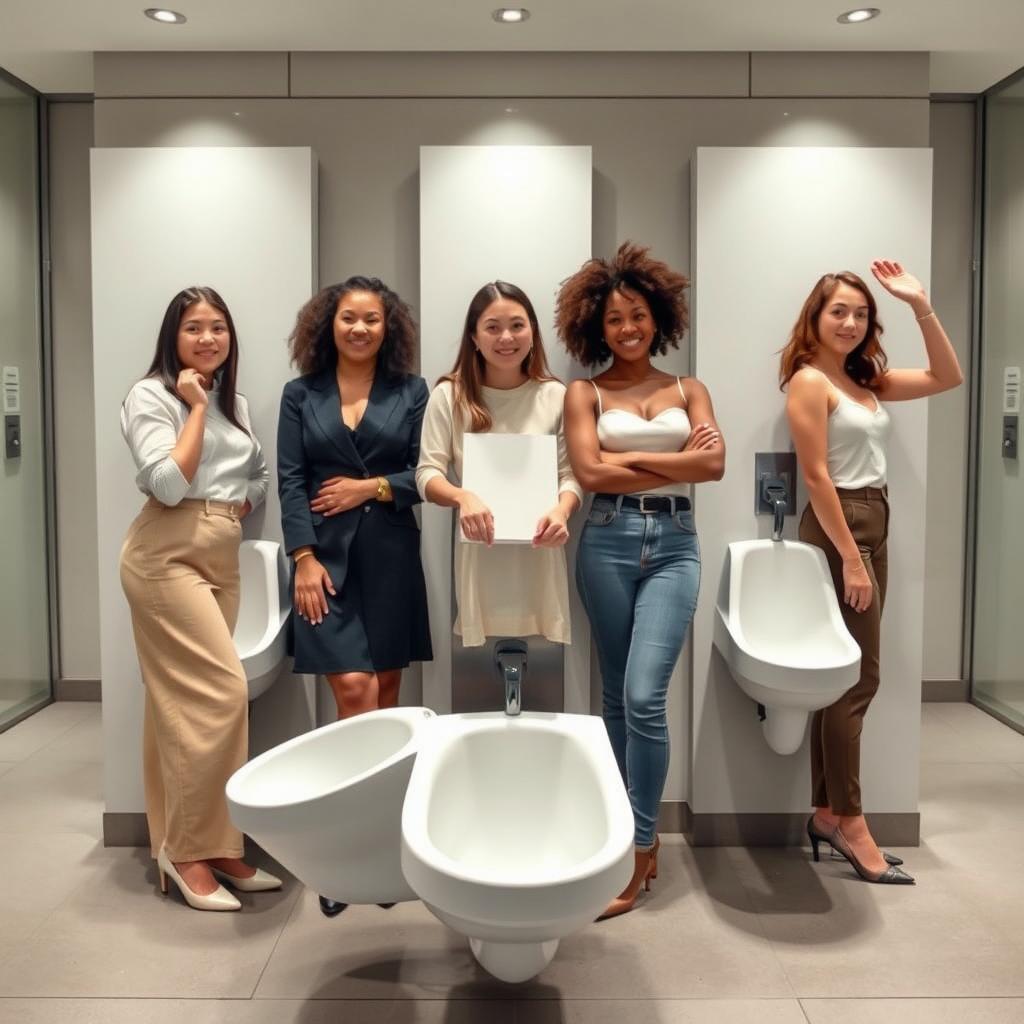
(619, 430)
(856, 443)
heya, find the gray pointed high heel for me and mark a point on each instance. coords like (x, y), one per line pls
(892, 875)
(815, 837)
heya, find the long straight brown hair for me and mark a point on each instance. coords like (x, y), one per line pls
(468, 372)
(865, 364)
(166, 365)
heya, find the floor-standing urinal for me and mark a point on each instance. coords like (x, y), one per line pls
(328, 804)
(516, 831)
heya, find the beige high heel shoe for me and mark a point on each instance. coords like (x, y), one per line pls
(219, 899)
(262, 881)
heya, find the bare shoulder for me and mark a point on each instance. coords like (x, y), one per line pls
(809, 382)
(809, 390)
(579, 389)
(695, 390)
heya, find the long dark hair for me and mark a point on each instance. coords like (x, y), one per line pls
(166, 365)
(865, 364)
(468, 372)
(312, 338)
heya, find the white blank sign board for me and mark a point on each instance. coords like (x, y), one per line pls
(768, 222)
(242, 221)
(515, 476)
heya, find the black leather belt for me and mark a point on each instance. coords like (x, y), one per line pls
(648, 503)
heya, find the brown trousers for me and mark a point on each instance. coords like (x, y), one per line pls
(836, 730)
(179, 571)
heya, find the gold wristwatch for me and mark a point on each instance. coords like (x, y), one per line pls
(383, 489)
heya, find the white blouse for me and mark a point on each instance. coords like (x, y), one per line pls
(232, 467)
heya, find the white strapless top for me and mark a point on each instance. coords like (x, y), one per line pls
(619, 430)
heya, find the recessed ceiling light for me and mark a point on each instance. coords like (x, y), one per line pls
(165, 16)
(510, 15)
(860, 14)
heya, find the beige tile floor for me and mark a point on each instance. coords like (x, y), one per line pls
(728, 936)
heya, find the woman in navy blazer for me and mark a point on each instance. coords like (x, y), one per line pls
(347, 446)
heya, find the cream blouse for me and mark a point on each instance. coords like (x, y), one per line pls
(506, 589)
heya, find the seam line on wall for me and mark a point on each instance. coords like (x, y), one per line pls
(513, 96)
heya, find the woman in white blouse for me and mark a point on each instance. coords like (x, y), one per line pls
(203, 471)
(500, 383)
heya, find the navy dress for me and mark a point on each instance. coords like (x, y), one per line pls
(378, 617)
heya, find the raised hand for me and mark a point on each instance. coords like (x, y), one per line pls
(895, 280)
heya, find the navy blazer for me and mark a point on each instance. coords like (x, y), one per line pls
(314, 444)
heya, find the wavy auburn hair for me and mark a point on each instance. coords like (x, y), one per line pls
(166, 365)
(865, 364)
(579, 310)
(467, 374)
(312, 338)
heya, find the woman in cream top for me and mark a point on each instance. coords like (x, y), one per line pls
(500, 383)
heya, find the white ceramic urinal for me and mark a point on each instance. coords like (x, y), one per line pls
(328, 804)
(516, 832)
(779, 628)
(262, 614)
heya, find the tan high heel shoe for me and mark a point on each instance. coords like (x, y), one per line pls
(219, 899)
(645, 867)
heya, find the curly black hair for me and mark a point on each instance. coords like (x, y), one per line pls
(579, 311)
(312, 339)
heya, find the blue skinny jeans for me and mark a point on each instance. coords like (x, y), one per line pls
(638, 575)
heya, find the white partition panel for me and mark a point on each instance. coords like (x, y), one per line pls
(768, 222)
(521, 214)
(241, 220)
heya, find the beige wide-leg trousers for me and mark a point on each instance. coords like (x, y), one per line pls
(179, 571)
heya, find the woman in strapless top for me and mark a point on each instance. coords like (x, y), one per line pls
(835, 372)
(638, 438)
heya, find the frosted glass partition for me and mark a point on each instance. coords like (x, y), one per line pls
(997, 672)
(243, 221)
(767, 223)
(24, 597)
(521, 214)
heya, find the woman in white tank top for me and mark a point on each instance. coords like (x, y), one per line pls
(639, 438)
(837, 381)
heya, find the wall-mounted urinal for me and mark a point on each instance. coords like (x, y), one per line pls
(779, 629)
(516, 832)
(260, 633)
(328, 804)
